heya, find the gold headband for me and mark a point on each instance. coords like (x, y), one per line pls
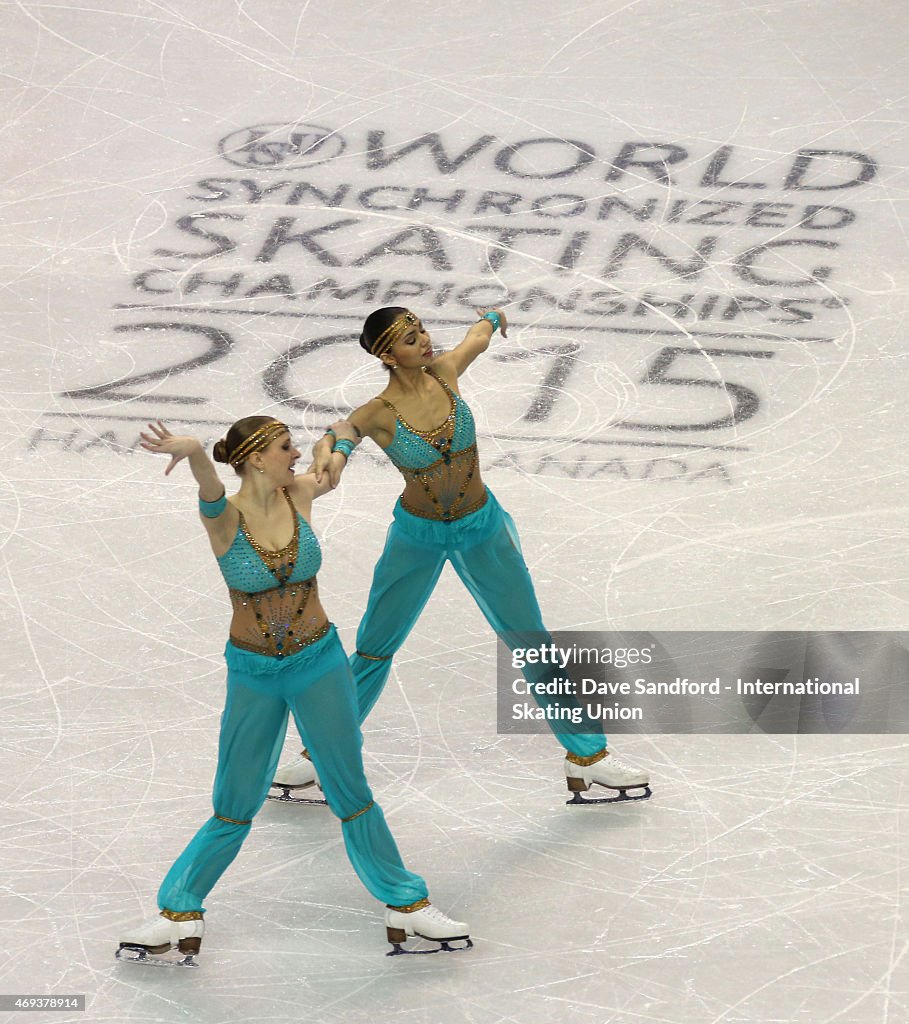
(257, 440)
(392, 332)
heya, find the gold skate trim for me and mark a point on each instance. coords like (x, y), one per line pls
(182, 915)
(585, 762)
(374, 657)
(232, 821)
(362, 810)
(411, 907)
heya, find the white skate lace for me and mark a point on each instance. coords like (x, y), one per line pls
(434, 914)
(621, 765)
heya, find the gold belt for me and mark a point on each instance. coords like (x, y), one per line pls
(446, 517)
(270, 653)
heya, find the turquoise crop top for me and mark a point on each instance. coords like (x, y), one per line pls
(271, 591)
(245, 569)
(442, 461)
(418, 449)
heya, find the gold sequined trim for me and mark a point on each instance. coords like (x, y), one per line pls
(362, 810)
(374, 657)
(585, 762)
(411, 907)
(232, 821)
(289, 551)
(182, 915)
(431, 434)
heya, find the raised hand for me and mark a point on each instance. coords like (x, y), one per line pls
(162, 442)
(503, 322)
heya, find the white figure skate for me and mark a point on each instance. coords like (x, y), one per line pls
(149, 943)
(610, 773)
(294, 777)
(428, 922)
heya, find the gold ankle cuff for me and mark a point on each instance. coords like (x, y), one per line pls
(585, 762)
(410, 908)
(182, 915)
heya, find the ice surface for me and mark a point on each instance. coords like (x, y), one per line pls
(611, 171)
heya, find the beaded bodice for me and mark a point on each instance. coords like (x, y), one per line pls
(439, 465)
(271, 591)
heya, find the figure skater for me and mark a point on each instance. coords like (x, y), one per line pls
(446, 513)
(283, 655)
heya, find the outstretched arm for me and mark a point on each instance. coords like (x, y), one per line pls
(475, 342)
(162, 442)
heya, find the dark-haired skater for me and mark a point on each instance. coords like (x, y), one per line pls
(446, 513)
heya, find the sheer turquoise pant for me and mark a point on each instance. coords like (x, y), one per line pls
(485, 552)
(315, 686)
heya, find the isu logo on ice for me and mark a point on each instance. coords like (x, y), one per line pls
(281, 145)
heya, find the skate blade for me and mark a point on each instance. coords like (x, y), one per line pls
(443, 947)
(622, 798)
(287, 798)
(138, 955)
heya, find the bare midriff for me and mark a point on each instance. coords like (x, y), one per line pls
(449, 489)
(280, 621)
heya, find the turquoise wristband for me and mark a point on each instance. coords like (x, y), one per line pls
(345, 447)
(494, 318)
(212, 509)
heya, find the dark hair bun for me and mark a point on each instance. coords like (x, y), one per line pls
(377, 322)
(220, 451)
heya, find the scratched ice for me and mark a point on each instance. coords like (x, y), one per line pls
(695, 215)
